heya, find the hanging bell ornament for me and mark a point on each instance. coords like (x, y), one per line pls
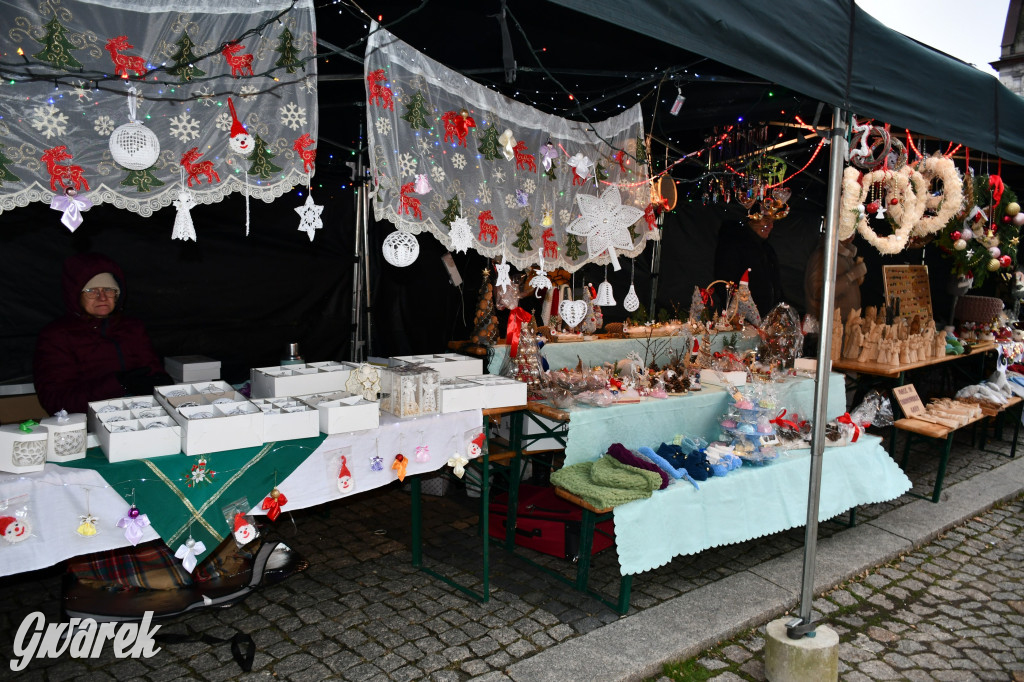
(631, 302)
(604, 294)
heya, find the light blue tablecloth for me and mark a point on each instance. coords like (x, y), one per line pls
(751, 502)
(567, 354)
(593, 429)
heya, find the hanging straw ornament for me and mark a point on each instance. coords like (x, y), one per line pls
(632, 301)
(133, 145)
(309, 213)
(605, 296)
(184, 229)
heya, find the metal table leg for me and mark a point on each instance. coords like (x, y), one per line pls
(942, 468)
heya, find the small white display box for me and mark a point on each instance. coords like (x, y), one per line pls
(191, 368)
(447, 365)
(459, 394)
(287, 418)
(301, 379)
(213, 417)
(343, 412)
(410, 391)
(126, 435)
(500, 391)
(22, 451)
(68, 438)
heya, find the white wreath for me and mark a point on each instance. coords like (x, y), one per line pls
(919, 184)
(852, 215)
(945, 205)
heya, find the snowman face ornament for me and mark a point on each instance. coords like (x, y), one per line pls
(14, 530)
(345, 484)
(241, 143)
(244, 532)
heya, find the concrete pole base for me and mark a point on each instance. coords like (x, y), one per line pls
(808, 659)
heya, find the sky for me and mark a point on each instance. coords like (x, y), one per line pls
(970, 31)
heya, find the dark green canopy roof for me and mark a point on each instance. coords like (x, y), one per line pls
(834, 51)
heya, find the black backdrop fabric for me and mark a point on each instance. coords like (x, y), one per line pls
(235, 298)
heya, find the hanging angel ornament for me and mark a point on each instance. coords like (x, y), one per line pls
(273, 502)
(581, 166)
(184, 229)
(134, 524)
(508, 144)
(548, 153)
(605, 222)
(504, 280)
(422, 184)
(309, 216)
(188, 553)
(461, 235)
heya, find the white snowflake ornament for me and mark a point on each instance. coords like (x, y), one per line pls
(309, 214)
(292, 115)
(461, 235)
(605, 223)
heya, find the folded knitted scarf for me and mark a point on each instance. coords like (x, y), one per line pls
(606, 482)
(619, 452)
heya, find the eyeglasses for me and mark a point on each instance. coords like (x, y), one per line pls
(106, 292)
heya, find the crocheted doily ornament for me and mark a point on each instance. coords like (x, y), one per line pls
(400, 249)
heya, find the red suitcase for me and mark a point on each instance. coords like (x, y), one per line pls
(546, 523)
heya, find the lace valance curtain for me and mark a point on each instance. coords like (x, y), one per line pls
(67, 68)
(443, 147)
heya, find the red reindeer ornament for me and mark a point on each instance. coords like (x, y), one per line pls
(457, 125)
(378, 91)
(488, 230)
(304, 146)
(194, 170)
(241, 64)
(59, 175)
(123, 63)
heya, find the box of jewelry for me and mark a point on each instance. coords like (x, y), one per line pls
(410, 390)
(287, 419)
(126, 435)
(343, 412)
(302, 379)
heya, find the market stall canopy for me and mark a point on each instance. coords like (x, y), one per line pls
(834, 51)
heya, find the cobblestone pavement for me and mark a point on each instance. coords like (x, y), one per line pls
(361, 612)
(951, 611)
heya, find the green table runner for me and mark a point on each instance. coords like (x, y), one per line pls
(176, 509)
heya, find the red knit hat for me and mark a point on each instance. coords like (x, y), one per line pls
(240, 521)
(745, 279)
(344, 469)
(236, 126)
(6, 521)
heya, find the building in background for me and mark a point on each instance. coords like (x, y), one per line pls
(1010, 64)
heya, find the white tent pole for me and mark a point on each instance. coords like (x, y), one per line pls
(804, 625)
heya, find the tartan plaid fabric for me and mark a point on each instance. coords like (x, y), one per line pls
(150, 566)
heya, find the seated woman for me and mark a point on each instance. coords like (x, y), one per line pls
(95, 351)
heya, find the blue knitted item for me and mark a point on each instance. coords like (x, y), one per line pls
(677, 473)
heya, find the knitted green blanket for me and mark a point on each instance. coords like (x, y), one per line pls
(606, 482)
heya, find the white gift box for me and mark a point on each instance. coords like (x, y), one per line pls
(447, 365)
(22, 452)
(102, 407)
(68, 439)
(287, 419)
(342, 412)
(458, 395)
(500, 391)
(203, 393)
(213, 428)
(190, 368)
(123, 439)
(300, 379)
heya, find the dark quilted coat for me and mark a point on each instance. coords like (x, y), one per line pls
(78, 356)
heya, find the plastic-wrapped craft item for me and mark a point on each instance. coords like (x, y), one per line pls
(559, 397)
(875, 409)
(507, 297)
(599, 398)
(782, 342)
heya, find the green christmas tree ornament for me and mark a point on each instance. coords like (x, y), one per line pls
(573, 247)
(415, 113)
(489, 145)
(452, 211)
(289, 58)
(5, 173)
(260, 158)
(184, 59)
(523, 237)
(57, 48)
(142, 180)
